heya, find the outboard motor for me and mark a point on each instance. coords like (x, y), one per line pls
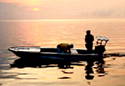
(100, 44)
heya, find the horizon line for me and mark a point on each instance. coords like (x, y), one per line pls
(85, 19)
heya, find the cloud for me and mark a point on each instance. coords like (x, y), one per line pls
(23, 9)
(23, 2)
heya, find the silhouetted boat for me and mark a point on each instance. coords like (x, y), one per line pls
(52, 53)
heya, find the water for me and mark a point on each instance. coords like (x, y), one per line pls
(48, 33)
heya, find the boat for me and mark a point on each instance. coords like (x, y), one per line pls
(50, 53)
(36, 52)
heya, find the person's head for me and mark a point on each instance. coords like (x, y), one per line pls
(88, 32)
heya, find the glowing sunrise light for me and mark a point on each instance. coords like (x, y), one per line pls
(36, 9)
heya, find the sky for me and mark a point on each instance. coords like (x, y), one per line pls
(61, 9)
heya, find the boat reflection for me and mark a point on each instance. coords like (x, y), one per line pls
(90, 70)
(99, 68)
(25, 62)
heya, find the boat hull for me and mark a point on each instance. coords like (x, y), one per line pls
(52, 53)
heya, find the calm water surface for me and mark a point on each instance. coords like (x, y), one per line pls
(49, 34)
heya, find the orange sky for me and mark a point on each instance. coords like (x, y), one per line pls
(62, 8)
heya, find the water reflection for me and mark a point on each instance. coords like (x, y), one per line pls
(12, 75)
(99, 68)
(66, 64)
(41, 63)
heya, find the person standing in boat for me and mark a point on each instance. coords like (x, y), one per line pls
(89, 38)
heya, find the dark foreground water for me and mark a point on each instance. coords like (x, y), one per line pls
(48, 34)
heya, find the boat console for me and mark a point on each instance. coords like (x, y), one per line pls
(100, 44)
